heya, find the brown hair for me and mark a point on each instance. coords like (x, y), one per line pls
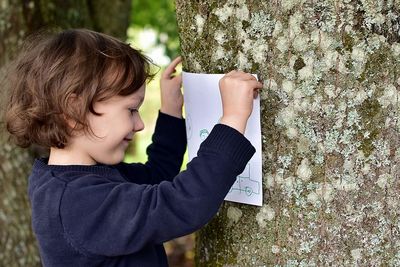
(74, 64)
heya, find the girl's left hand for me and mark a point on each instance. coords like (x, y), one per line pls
(171, 94)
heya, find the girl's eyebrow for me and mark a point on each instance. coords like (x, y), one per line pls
(141, 101)
(135, 100)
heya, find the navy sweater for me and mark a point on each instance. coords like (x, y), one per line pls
(120, 215)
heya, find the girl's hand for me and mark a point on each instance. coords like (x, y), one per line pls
(237, 90)
(171, 94)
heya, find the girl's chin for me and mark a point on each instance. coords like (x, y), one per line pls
(115, 157)
(125, 142)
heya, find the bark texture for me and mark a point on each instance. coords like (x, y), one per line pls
(17, 19)
(330, 128)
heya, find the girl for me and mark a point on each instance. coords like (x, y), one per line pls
(78, 93)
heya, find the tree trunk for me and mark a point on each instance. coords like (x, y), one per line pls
(330, 128)
(17, 19)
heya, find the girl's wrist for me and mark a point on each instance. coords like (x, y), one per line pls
(175, 112)
(235, 122)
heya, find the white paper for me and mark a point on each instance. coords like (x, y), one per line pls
(203, 109)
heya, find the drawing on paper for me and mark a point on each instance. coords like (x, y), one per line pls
(203, 134)
(201, 88)
(189, 126)
(245, 184)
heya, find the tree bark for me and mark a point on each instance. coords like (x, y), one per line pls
(330, 128)
(17, 20)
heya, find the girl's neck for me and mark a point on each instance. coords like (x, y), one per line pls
(67, 156)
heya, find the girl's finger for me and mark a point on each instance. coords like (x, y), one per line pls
(241, 75)
(255, 93)
(248, 76)
(256, 84)
(232, 72)
(171, 67)
(178, 78)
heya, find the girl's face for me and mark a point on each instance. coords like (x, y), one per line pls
(114, 129)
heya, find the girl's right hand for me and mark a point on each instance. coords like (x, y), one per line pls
(237, 90)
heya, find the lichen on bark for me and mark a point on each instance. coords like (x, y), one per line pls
(330, 128)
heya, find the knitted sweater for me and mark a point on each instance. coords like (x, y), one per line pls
(120, 215)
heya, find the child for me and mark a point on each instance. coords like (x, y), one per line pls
(78, 93)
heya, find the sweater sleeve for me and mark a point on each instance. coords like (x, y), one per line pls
(119, 218)
(165, 153)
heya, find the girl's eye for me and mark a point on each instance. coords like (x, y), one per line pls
(133, 110)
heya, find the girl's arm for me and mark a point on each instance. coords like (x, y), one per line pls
(115, 218)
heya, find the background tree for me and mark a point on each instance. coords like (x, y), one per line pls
(17, 20)
(159, 16)
(330, 128)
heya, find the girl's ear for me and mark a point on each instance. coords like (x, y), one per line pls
(74, 105)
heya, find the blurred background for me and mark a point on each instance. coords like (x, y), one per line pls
(149, 26)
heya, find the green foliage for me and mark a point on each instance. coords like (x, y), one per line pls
(158, 15)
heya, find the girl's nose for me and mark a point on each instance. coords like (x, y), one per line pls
(138, 124)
